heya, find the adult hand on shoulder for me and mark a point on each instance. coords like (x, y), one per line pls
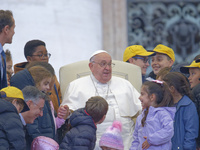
(63, 112)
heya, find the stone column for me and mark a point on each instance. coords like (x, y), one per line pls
(114, 20)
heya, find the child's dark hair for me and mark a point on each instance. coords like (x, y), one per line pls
(163, 96)
(179, 82)
(30, 47)
(96, 107)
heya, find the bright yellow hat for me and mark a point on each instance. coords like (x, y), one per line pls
(160, 48)
(194, 64)
(13, 92)
(134, 50)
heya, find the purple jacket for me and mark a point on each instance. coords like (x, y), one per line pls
(158, 129)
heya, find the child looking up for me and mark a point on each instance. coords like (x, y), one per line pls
(112, 139)
(186, 122)
(154, 127)
(83, 122)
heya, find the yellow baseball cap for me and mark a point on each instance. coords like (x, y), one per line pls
(194, 64)
(134, 50)
(160, 48)
(13, 92)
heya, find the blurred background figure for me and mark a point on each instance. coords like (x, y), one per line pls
(9, 66)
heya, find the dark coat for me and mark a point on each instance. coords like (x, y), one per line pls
(152, 75)
(12, 135)
(186, 125)
(196, 96)
(82, 136)
(22, 79)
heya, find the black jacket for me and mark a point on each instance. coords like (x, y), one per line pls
(82, 136)
(12, 135)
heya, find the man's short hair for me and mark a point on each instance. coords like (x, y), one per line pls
(30, 47)
(33, 94)
(5, 19)
(96, 107)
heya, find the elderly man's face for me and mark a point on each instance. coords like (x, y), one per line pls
(36, 110)
(101, 67)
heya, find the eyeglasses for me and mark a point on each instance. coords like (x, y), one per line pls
(104, 64)
(145, 60)
(43, 55)
(40, 108)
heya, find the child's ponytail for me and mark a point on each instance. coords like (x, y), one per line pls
(145, 116)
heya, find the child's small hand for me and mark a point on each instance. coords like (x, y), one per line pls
(63, 112)
(145, 145)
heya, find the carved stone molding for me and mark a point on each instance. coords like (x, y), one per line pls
(174, 23)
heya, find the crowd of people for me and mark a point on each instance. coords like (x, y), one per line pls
(98, 111)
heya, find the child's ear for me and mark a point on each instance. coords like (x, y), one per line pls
(102, 119)
(14, 102)
(171, 89)
(29, 58)
(171, 62)
(152, 97)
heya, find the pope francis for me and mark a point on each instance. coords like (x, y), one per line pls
(121, 96)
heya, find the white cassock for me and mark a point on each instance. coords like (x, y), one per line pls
(122, 99)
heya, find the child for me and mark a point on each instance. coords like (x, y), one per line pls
(112, 138)
(164, 58)
(44, 143)
(194, 70)
(11, 129)
(154, 127)
(186, 122)
(137, 55)
(9, 65)
(83, 122)
(194, 74)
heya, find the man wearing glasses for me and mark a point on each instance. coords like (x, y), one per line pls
(137, 55)
(35, 100)
(35, 51)
(121, 96)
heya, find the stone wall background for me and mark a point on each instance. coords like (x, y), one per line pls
(71, 29)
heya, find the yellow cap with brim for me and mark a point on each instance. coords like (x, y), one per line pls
(164, 50)
(14, 92)
(194, 64)
(134, 50)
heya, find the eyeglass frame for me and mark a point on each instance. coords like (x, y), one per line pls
(104, 65)
(143, 59)
(40, 108)
(42, 55)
